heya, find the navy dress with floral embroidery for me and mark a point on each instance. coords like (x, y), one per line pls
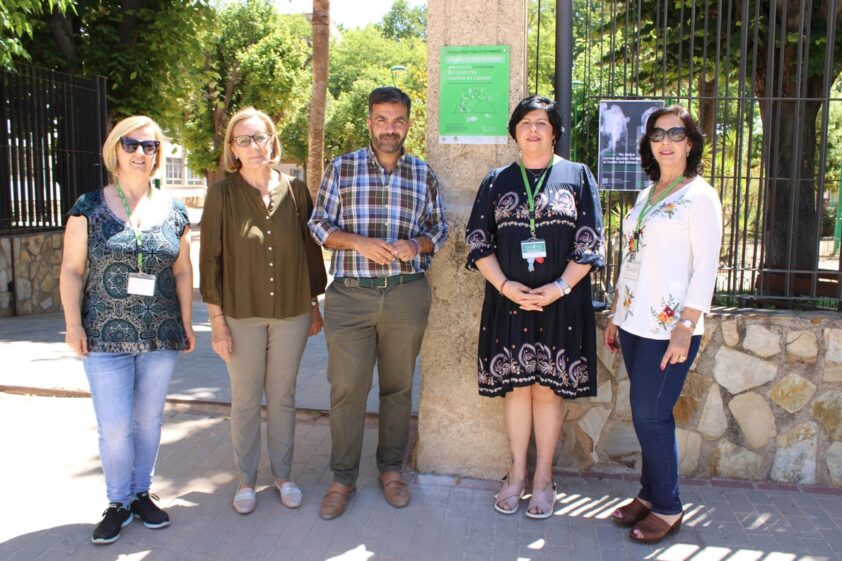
(115, 321)
(557, 346)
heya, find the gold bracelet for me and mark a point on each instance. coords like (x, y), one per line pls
(213, 317)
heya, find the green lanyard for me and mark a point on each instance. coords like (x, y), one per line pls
(530, 195)
(138, 236)
(648, 205)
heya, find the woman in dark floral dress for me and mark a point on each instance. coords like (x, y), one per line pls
(130, 317)
(535, 233)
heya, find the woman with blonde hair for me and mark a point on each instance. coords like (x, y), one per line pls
(261, 275)
(131, 315)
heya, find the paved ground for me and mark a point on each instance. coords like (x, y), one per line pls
(53, 494)
(34, 355)
(53, 491)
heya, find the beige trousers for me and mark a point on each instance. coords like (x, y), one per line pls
(266, 356)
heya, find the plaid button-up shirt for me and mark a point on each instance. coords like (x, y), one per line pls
(359, 197)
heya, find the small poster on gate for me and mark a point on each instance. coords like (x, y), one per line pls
(621, 124)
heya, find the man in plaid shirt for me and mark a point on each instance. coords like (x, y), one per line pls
(381, 212)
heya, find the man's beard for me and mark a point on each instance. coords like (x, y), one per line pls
(388, 142)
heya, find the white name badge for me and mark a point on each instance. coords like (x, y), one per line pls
(631, 270)
(141, 284)
(533, 249)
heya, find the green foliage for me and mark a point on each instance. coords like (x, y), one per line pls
(833, 164)
(403, 21)
(253, 56)
(540, 43)
(361, 61)
(18, 20)
(148, 54)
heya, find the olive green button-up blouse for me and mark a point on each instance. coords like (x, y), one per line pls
(257, 263)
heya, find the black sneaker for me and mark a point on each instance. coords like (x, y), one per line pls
(152, 516)
(115, 517)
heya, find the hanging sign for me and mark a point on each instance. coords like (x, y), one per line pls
(474, 95)
(621, 124)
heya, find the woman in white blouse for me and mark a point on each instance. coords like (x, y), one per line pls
(671, 246)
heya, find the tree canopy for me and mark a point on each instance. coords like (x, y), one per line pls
(252, 56)
(17, 21)
(361, 60)
(403, 21)
(147, 49)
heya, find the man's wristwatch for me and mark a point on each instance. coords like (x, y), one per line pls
(688, 324)
(565, 288)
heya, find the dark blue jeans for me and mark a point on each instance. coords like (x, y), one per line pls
(653, 395)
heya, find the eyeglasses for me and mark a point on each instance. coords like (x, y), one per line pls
(676, 134)
(244, 140)
(130, 145)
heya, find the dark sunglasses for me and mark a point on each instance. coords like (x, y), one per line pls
(260, 138)
(676, 134)
(130, 145)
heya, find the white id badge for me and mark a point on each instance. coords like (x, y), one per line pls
(632, 270)
(141, 284)
(533, 249)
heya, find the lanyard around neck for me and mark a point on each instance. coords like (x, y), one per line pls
(138, 236)
(649, 204)
(530, 195)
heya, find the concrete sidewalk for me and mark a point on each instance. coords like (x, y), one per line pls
(34, 355)
(54, 493)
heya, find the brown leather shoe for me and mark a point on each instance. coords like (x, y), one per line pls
(395, 490)
(335, 500)
(653, 529)
(630, 514)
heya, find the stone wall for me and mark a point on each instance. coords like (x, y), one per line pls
(762, 401)
(29, 273)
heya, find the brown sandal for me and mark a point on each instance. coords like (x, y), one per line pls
(654, 529)
(630, 514)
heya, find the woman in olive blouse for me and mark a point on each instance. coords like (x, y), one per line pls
(261, 275)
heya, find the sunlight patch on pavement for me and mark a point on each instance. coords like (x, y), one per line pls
(174, 432)
(537, 544)
(137, 556)
(357, 554)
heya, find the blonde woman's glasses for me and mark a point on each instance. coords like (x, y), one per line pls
(260, 138)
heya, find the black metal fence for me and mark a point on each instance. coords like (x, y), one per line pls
(52, 127)
(761, 77)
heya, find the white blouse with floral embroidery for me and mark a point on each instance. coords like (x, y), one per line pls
(674, 264)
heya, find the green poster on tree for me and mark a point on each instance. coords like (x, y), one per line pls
(474, 95)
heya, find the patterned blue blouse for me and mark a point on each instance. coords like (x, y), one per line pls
(115, 321)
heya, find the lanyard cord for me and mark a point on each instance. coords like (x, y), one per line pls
(138, 235)
(649, 205)
(530, 194)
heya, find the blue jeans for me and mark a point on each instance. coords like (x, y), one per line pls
(653, 394)
(129, 391)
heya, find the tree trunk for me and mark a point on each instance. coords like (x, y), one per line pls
(791, 214)
(127, 29)
(318, 100)
(789, 107)
(61, 27)
(707, 107)
(215, 175)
